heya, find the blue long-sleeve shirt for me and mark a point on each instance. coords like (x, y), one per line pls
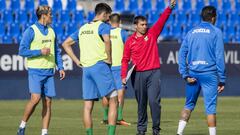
(202, 51)
(24, 50)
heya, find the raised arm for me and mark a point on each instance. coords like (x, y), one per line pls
(156, 29)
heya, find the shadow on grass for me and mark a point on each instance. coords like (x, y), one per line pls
(135, 123)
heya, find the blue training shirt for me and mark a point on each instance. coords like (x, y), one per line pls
(124, 35)
(24, 50)
(103, 29)
(202, 51)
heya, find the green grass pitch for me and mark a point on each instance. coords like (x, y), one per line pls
(67, 118)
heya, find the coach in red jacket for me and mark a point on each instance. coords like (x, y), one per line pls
(142, 49)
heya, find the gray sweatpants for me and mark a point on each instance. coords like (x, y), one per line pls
(147, 87)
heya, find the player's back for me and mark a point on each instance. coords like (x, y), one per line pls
(201, 42)
(92, 47)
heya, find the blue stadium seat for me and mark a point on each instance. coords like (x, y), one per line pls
(226, 5)
(230, 31)
(164, 32)
(8, 16)
(62, 39)
(181, 17)
(23, 27)
(141, 12)
(32, 18)
(2, 29)
(160, 6)
(152, 17)
(22, 16)
(58, 28)
(2, 4)
(187, 5)
(7, 39)
(170, 20)
(237, 39)
(238, 30)
(1, 15)
(90, 16)
(233, 17)
(194, 17)
(29, 5)
(119, 5)
(43, 2)
(199, 5)
(133, 6)
(213, 3)
(72, 5)
(14, 30)
(71, 28)
(237, 5)
(15, 5)
(65, 16)
(176, 31)
(146, 5)
(225, 38)
(78, 17)
(221, 18)
(57, 5)
(16, 40)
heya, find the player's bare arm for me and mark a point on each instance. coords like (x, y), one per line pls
(107, 42)
(67, 45)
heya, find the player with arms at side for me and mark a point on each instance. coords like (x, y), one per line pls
(43, 54)
(201, 64)
(118, 37)
(95, 58)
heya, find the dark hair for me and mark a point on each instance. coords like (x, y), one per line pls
(115, 18)
(102, 7)
(208, 12)
(44, 9)
(138, 18)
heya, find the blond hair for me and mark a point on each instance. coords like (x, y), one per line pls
(43, 9)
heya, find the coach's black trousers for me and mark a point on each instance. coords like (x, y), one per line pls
(147, 87)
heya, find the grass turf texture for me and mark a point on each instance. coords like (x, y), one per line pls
(67, 118)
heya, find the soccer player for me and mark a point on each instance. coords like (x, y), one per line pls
(95, 60)
(118, 37)
(43, 54)
(201, 64)
(142, 49)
